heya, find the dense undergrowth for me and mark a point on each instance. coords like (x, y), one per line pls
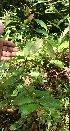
(34, 86)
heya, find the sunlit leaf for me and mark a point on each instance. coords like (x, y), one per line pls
(36, 46)
(64, 45)
(50, 50)
(18, 89)
(63, 34)
(7, 19)
(41, 23)
(27, 48)
(57, 63)
(34, 74)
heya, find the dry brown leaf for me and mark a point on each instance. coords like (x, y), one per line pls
(30, 18)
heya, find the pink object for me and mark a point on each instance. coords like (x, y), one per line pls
(1, 28)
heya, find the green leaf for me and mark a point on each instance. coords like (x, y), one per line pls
(13, 127)
(15, 92)
(36, 46)
(53, 42)
(49, 102)
(57, 63)
(49, 50)
(41, 31)
(4, 66)
(20, 57)
(40, 94)
(63, 34)
(18, 89)
(40, 22)
(44, 99)
(63, 46)
(32, 47)
(27, 109)
(20, 96)
(50, 10)
(27, 48)
(34, 74)
(12, 80)
(23, 100)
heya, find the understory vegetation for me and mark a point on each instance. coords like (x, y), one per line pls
(34, 86)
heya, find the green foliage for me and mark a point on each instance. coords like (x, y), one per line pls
(27, 109)
(32, 47)
(41, 23)
(63, 46)
(57, 63)
(35, 82)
